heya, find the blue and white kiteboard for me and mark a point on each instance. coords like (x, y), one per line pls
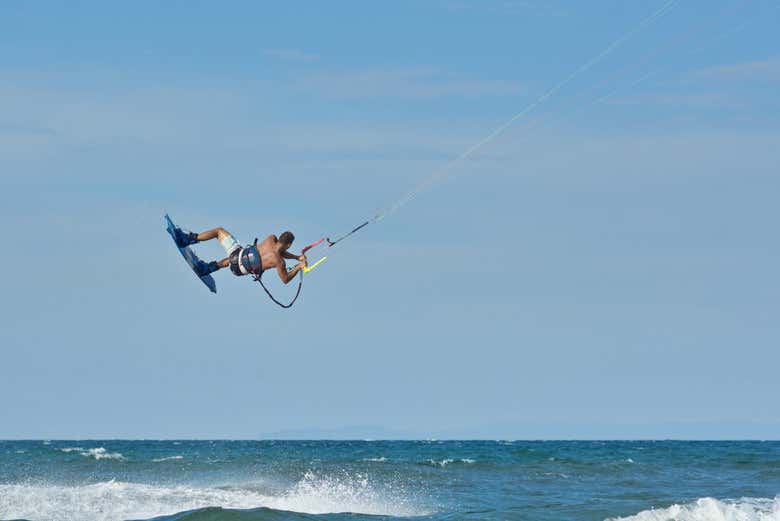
(190, 257)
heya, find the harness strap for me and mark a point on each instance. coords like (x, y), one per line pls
(257, 277)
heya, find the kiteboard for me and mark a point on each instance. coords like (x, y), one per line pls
(190, 257)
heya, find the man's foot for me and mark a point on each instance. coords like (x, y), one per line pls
(183, 238)
(204, 268)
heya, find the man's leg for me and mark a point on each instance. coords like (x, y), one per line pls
(225, 239)
(187, 238)
(216, 233)
(204, 268)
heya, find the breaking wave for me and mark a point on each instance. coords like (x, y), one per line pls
(709, 509)
(168, 458)
(97, 453)
(449, 461)
(115, 500)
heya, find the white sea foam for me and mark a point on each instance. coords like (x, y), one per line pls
(111, 501)
(169, 458)
(316, 494)
(709, 509)
(381, 459)
(97, 453)
(444, 462)
(101, 453)
(114, 500)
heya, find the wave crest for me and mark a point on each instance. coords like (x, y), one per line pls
(112, 500)
(710, 509)
(448, 461)
(167, 458)
(97, 453)
(316, 494)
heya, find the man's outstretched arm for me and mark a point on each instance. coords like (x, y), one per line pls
(292, 256)
(287, 276)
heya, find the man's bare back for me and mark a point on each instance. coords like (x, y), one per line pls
(272, 255)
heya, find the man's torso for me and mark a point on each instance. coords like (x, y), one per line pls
(268, 255)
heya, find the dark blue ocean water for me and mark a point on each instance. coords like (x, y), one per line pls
(369, 480)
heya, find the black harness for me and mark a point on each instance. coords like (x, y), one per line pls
(246, 261)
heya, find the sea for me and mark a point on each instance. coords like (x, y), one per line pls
(426, 480)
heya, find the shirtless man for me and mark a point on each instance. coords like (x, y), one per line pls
(253, 259)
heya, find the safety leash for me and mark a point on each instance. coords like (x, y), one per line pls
(259, 278)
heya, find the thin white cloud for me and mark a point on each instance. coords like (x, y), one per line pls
(33, 115)
(758, 70)
(518, 7)
(291, 55)
(702, 100)
(718, 87)
(208, 121)
(408, 83)
(19, 129)
(506, 7)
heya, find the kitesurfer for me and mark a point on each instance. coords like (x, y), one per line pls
(244, 260)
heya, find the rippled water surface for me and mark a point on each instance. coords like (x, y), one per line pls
(357, 480)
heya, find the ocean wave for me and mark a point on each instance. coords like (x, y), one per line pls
(448, 461)
(97, 453)
(168, 458)
(317, 494)
(381, 459)
(556, 475)
(110, 501)
(709, 509)
(115, 500)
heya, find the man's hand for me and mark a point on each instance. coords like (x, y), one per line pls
(303, 259)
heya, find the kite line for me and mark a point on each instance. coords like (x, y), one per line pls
(442, 173)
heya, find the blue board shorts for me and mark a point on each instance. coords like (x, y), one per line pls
(229, 243)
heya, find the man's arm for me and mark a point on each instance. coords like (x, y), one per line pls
(292, 256)
(285, 275)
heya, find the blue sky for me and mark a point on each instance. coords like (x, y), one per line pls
(607, 267)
